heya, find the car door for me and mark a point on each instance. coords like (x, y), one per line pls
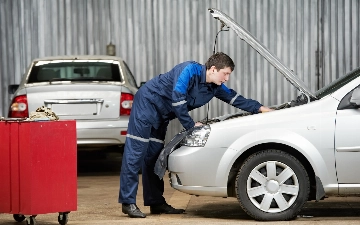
(347, 142)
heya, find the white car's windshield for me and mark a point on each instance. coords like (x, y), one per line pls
(335, 85)
(74, 71)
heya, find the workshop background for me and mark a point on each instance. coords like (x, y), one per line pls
(318, 39)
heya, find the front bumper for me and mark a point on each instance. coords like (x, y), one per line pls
(175, 183)
(194, 170)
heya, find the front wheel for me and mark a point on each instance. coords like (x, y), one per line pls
(272, 185)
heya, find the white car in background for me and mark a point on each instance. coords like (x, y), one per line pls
(96, 91)
(273, 162)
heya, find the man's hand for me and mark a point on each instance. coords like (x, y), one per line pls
(198, 124)
(265, 109)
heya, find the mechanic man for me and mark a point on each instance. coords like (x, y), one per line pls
(187, 86)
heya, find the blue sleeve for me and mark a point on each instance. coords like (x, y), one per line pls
(180, 91)
(231, 97)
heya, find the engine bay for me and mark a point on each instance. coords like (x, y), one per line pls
(300, 100)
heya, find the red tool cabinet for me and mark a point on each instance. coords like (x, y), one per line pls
(38, 168)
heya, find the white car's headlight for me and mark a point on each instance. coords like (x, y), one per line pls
(197, 137)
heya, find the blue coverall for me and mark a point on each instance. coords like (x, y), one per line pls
(161, 99)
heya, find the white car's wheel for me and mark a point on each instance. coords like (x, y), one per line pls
(272, 185)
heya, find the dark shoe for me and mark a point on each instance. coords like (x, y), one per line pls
(165, 208)
(132, 210)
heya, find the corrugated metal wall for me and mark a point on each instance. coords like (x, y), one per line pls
(340, 39)
(154, 35)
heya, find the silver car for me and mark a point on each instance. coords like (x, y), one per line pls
(274, 162)
(96, 91)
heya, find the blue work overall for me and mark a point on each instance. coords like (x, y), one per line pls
(163, 98)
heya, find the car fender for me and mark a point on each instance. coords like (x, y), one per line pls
(286, 137)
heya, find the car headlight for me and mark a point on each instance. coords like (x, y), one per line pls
(197, 137)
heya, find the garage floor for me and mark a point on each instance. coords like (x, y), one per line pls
(98, 186)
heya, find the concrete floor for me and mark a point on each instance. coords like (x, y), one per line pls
(98, 186)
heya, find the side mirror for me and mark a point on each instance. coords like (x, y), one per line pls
(12, 88)
(355, 97)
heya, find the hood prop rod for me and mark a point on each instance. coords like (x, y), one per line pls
(221, 29)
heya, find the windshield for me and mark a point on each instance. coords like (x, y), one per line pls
(47, 71)
(337, 84)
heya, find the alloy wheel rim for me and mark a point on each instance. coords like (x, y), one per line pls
(272, 186)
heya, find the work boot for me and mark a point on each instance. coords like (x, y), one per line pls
(165, 208)
(132, 210)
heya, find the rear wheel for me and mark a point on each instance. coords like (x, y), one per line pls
(272, 185)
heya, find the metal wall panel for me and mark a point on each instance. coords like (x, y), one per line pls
(340, 40)
(154, 35)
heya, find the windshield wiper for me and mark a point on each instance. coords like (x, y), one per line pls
(80, 79)
(59, 79)
(91, 79)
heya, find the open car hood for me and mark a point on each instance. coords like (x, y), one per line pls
(262, 50)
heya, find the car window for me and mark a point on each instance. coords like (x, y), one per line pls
(337, 84)
(130, 77)
(345, 101)
(74, 71)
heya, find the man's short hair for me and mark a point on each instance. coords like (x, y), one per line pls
(220, 60)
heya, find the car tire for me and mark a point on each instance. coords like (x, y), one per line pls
(272, 185)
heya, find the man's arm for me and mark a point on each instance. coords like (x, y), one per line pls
(179, 94)
(231, 97)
